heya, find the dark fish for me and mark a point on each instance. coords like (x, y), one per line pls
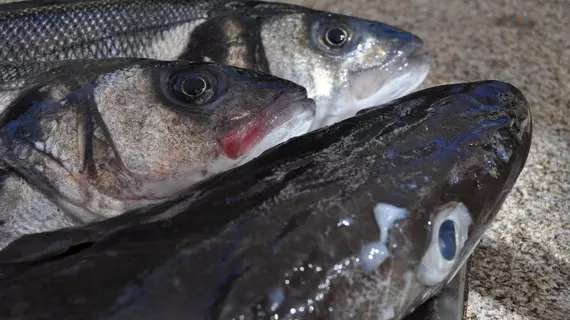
(113, 135)
(365, 219)
(450, 303)
(346, 63)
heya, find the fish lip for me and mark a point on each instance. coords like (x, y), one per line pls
(287, 105)
(411, 54)
(408, 71)
(389, 82)
(412, 48)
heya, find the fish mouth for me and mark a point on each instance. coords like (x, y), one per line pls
(289, 115)
(403, 72)
(398, 75)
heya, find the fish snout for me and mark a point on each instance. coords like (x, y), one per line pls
(505, 106)
(412, 47)
(397, 40)
(502, 106)
(290, 113)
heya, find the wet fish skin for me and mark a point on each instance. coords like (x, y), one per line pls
(290, 232)
(113, 135)
(67, 30)
(374, 64)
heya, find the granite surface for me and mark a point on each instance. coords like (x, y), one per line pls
(521, 268)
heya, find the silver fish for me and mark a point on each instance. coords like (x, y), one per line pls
(113, 135)
(346, 63)
(364, 219)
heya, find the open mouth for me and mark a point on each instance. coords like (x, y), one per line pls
(289, 115)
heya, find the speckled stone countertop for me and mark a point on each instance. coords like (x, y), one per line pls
(521, 269)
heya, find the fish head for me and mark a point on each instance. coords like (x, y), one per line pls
(136, 134)
(448, 177)
(245, 111)
(367, 235)
(346, 63)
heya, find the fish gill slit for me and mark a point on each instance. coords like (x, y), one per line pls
(94, 111)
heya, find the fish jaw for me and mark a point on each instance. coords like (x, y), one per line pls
(373, 87)
(303, 116)
(381, 85)
(290, 115)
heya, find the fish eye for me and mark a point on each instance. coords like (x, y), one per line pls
(332, 37)
(192, 87)
(448, 236)
(336, 37)
(447, 241)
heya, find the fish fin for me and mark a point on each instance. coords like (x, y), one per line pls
(256, 9)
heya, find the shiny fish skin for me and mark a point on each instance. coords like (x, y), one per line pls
(376, 63)
(66, 30)
(113, 135)
(288, 233)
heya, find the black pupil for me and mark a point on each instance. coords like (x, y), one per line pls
(193, 86)
(336, 36)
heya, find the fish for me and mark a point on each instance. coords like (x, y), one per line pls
(116, 134)
(346, 63)
(364, 219)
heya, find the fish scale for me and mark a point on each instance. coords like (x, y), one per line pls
(29, 30)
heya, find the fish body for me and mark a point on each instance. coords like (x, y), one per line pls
(116, 134)
(365, 219)
(344, 62)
